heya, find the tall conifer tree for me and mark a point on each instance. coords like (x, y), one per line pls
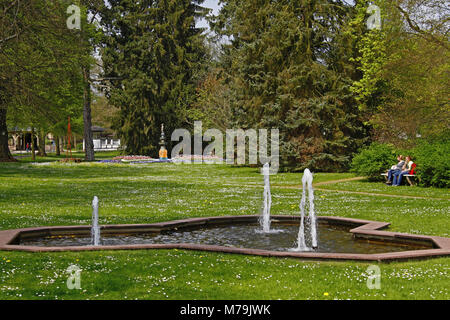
(153, 48)
(290, 63)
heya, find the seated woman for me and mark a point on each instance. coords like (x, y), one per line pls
(395, 169)
(407, 169)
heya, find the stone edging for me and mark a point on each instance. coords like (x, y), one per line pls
(371, 230)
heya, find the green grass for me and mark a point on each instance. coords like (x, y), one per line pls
(51, 157)
(381, 188)
(61, 194)
(177, 274)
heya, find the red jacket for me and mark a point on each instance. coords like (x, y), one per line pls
(413, 169)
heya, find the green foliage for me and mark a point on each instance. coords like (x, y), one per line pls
(213, 105)
(153, 48)
(431, 157)
(40, 71)
(60, 194)
(374, 160)
(404, 70)
(371, 46)
(433, 162)
(79, 146)
(288, 64)
(415, 98)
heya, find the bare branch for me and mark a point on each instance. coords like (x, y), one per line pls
(12, 4)
(9, 38)
(426, 35)
(104, 79)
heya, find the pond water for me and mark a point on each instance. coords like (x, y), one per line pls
(281, 238)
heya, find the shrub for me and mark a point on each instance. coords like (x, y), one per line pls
(79, 146)
(374, 160)
(433, 163)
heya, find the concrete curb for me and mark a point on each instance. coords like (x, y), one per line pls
(364, 229)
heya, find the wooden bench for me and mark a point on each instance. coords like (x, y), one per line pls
(407, 176)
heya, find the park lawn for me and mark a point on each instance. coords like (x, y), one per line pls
(52, 157)
(61, 194)
(179, 274)
(364, 186)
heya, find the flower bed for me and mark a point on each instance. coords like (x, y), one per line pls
(133, 158)
(197, 158)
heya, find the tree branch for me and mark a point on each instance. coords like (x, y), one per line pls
(426, 35)
(10, 6)
(9, 38)
(104, 79)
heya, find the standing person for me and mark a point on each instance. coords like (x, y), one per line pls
(407, 169)
(397, 168)
(27, 149)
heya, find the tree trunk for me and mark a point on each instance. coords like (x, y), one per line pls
(87, 119)
(5, 154)
(58, 146)
(33, 145)
(41, 145)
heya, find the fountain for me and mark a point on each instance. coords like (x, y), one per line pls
(264, 219)
(235, 234)
(95, 230)
(265, 216)
(340, 238)
(301, 242)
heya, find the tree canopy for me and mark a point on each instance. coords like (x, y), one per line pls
(314, 69)
(153, 50)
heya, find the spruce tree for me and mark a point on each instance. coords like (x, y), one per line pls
(152, 48)
(291, 69)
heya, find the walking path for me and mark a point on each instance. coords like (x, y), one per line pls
(299, 186)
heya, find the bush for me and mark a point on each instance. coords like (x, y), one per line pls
(79, 146)
(433, 163)
(374, 160)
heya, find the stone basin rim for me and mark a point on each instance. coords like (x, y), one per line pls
(365, 229)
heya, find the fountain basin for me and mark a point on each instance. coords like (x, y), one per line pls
(339, 238)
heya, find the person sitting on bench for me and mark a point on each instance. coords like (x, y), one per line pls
(397, 168)
(407, 169)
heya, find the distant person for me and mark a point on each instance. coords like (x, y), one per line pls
(27, 149)
(407, 169)
(396, 168)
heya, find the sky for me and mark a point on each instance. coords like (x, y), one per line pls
(212, 4)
